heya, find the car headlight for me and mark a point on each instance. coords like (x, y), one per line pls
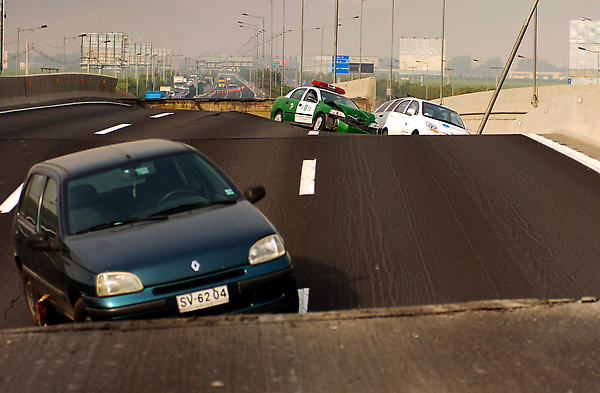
(431, 127)
(117, 283)
(336, 113)
(266, 249)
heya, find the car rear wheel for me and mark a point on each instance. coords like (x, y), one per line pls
(319, 124)
(278, 116)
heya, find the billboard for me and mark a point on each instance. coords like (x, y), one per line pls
(584, 63)
(420, 54)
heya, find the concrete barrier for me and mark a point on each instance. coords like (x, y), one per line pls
(510, 105)
(575, 113)
(33, 90)
(260, 108)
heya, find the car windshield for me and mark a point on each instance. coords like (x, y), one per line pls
(442, 114)
(336, 99)
(144, 190)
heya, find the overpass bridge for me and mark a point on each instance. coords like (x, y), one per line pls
(460, 264)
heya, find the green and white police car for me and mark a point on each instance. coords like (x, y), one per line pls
(323, 107)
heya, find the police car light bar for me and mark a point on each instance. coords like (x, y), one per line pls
(327, 86)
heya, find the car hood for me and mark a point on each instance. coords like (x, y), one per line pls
(363, 117)
(217, 237)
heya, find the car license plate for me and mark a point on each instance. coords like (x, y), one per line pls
(202, 299)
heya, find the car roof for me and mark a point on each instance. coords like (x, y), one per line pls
(112, 155)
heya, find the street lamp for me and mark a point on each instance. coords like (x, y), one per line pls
(65, 44)
(500, 68)
(263, 40)
(598, 68)
(19, 30)
(245, 26)
(487, 64)
(392, 49)
(360, 41)
(426, 77)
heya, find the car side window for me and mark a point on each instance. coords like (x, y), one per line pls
(297, 95)
(49, 208)
(414, 106)
(28, 210)
(311, 96)
(400, 108)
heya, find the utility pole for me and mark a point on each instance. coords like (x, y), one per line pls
(1, 35)
(511, 58)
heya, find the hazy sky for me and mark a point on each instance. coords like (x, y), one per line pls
(478, 28)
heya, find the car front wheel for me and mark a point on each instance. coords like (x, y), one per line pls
(319, 124)
(31, 297)
(80, 313)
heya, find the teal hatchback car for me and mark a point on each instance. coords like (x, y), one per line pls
(323, 107)
(145, 229)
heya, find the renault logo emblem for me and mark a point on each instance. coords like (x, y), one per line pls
(195, 265)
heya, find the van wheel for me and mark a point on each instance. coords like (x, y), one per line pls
(384, 132)
(415, 132)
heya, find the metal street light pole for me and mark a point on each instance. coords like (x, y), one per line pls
(19, 30)
(65, 44)
(442, 59)
(487, 64)
(335, 40)
(426, 77)
(263, 44)
(392, 49)
(360, 44)
(283, 51)
(301, 45)
(598, 68)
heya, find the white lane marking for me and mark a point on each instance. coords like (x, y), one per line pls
(161, 115)
(307, 177)
(313, 132)
(567, 151)
(303, 300)
(11, 201)
(111, 129)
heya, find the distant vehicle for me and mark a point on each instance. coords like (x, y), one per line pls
(413, 116)
(323, 107)
(145, 229)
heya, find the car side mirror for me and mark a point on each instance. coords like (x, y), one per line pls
(411, 111)
(42, 241)
(255, 194)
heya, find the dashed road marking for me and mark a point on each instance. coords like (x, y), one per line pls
(313, 132)
(11, 201)
(307, 177)
(161, 115)
(112, 129)
(303, 300)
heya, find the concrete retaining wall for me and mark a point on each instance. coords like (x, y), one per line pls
(260, 108)
(574, 113)
(32, 90)
(510, 105)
